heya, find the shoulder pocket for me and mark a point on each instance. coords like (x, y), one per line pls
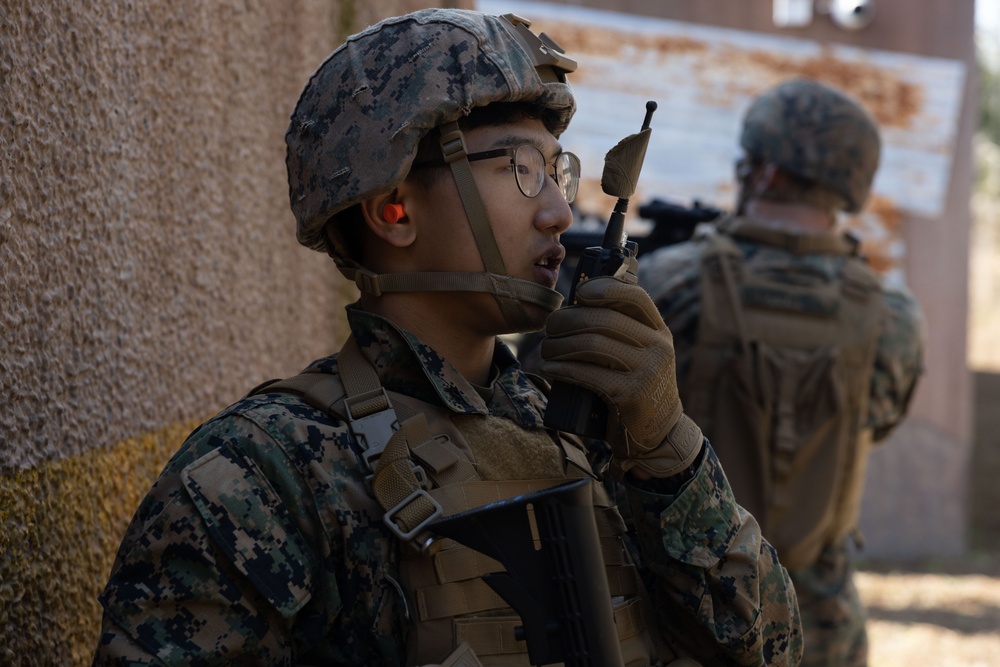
(249, 523)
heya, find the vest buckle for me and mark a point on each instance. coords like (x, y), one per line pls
(373, 429)
(417, 495)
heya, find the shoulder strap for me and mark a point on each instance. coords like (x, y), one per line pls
(320, 390)
(721, 325)
(724, 258)
(355, 395)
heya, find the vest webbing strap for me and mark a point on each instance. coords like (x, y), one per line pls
(440, 458)
(321, 391)
(408, 507)
(372, 419)
(448, 600)
(361, 382)
(727, 257)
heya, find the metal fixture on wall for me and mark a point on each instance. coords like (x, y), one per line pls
(848, 14)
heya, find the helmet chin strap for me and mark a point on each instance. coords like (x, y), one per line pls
(503, 287)
(510, 293)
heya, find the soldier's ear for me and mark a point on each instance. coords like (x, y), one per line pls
(386, 217)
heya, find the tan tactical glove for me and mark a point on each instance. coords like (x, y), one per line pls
(614, 343)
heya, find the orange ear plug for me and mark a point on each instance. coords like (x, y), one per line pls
(393, 213)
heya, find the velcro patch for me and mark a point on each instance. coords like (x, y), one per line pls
(248, 521)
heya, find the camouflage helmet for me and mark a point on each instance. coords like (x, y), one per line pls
(355, 130)
(817, 133)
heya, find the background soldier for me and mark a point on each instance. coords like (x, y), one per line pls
(791, 355)
(292, 528)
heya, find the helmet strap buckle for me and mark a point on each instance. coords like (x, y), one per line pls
(452, 143)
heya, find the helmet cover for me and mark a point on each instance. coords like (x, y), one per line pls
(817, 133)
(355, 130)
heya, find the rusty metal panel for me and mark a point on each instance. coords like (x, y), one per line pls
(703, 78)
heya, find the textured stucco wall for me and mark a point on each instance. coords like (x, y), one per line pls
(149, 273)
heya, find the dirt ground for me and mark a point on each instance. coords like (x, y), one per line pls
(945, 614)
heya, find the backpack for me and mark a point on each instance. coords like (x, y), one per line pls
(780, 379)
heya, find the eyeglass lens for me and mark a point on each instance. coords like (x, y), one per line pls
(530, 169)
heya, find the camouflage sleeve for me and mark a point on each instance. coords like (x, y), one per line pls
(717, 587)
(213, 568)
(257, 545)
(899, 362)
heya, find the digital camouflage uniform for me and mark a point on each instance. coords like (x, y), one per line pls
(832, 615)
(290, 565)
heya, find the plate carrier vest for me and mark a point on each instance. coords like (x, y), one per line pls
(780, 381)
(420, 470)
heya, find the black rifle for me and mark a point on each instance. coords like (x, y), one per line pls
(558, 585)
(672, 224)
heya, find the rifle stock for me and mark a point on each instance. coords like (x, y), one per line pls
(559, 587)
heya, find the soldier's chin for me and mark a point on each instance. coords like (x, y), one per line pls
(535, 318)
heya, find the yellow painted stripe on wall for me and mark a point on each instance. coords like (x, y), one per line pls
(60, 526)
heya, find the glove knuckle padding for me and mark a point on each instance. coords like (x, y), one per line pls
(626, 298)
(578, 320)
(614, 343)
(595, 345)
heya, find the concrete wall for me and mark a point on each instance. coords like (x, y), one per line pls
(916, 498)
(149, 273)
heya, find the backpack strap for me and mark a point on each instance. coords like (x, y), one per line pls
(726, 258)
(721, 314)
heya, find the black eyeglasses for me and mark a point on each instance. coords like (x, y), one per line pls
(530, 169)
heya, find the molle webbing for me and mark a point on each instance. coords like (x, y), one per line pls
(453, 604)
